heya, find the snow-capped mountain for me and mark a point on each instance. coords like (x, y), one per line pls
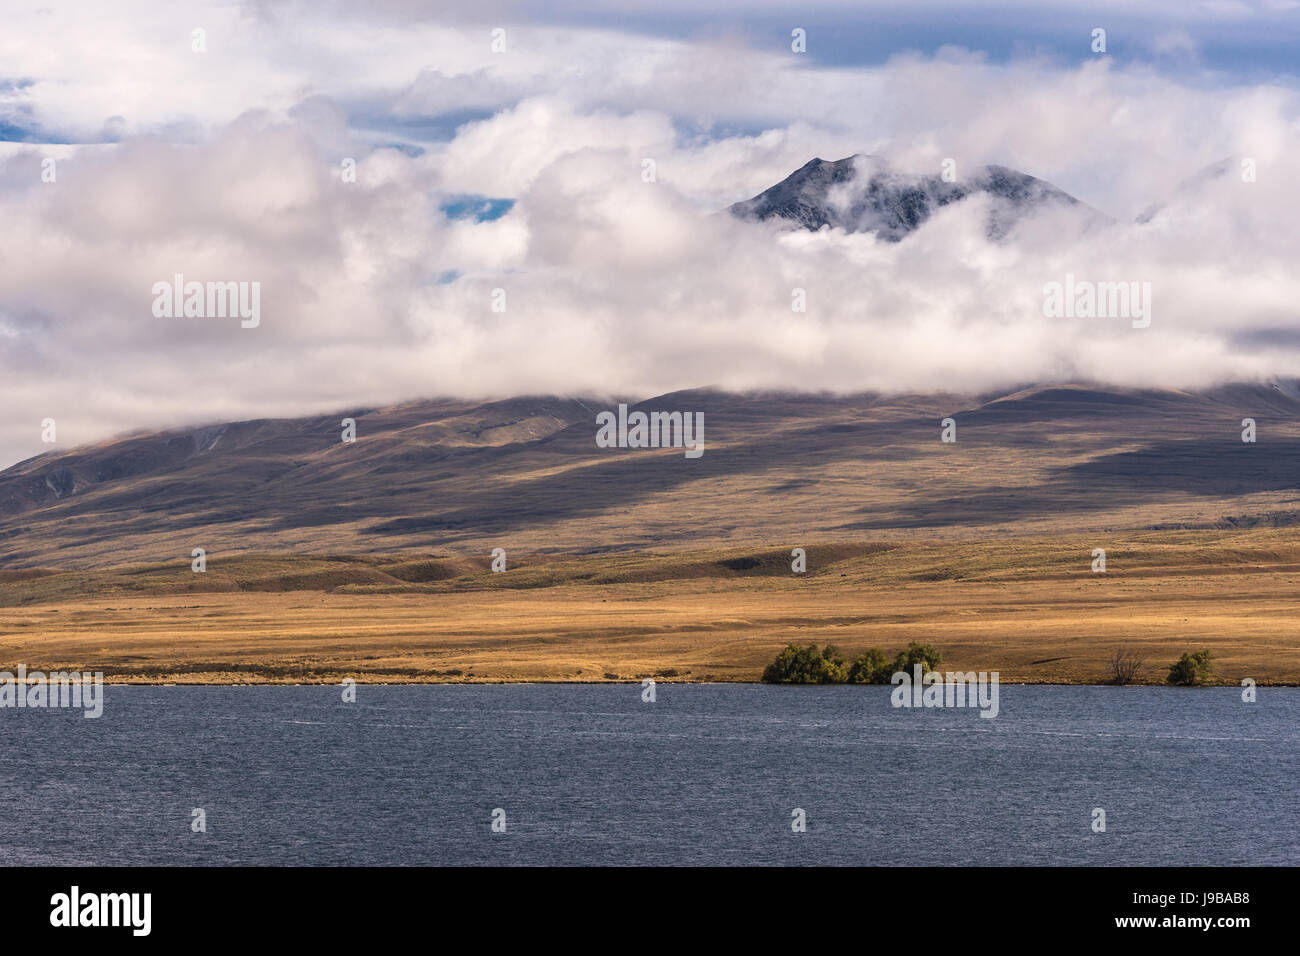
(863, 193)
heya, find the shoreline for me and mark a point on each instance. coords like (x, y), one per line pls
(633, 682)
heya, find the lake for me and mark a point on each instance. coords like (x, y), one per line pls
(706, 774)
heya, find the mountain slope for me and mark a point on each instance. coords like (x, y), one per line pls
(527, 475)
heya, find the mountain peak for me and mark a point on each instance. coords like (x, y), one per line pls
(863, 193)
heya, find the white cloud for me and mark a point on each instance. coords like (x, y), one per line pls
(614, 285)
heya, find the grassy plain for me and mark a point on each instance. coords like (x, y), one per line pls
(1031, 608)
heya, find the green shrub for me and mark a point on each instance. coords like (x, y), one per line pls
(1192, 670)
(871, 667)
(807, 665)
(922, 654)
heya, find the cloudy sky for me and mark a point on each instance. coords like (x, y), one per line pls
(502, 146)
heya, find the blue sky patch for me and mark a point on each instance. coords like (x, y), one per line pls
(478, 208)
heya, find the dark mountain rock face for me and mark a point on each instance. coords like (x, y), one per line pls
(863, 194)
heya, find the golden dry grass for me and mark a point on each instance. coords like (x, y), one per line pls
(1029, 608)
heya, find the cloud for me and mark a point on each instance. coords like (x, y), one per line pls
(614, 282)
(1174, 43)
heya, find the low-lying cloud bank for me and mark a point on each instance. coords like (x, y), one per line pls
(598, 280)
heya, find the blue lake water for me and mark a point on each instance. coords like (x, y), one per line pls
(707, 774)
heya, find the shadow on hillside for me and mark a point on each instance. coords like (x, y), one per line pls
(1160, 471)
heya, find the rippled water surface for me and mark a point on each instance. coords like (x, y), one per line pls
(707, 774)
